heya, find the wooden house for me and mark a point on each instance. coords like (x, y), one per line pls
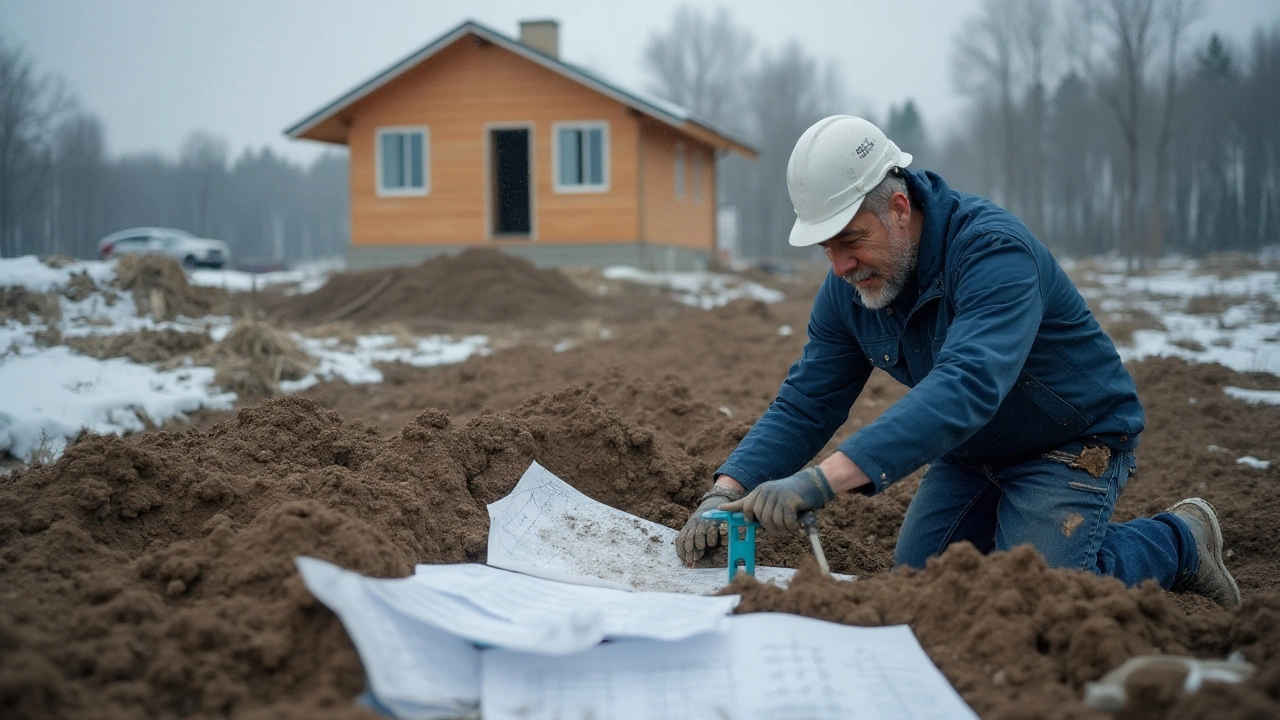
(478, 139)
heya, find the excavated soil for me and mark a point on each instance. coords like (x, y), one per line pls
(152, 576)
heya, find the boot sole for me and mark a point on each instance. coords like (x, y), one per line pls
(1212, 514)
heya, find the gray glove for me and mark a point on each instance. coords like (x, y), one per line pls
(698, 534)
(778, 504)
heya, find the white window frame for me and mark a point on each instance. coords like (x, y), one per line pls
(384, 191)
(559, 187)
(679, 163)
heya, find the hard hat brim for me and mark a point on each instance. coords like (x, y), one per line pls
(804, 234)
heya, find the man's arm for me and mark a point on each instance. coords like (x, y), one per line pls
(812, 403)
(839, 470)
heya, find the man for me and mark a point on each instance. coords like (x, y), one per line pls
(1019, 402)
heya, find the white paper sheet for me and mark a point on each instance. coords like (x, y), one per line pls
(497, 608)
(414, 670)
(533, 601)
(546, 527)
(769, 666)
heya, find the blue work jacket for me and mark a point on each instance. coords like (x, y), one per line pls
(1003, 358)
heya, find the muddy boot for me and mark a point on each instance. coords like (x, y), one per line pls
(1211, 579)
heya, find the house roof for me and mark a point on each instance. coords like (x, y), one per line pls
(661, 110)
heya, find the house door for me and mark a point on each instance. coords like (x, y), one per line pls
(510, 181)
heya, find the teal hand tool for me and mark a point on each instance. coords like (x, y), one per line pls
(742, 541)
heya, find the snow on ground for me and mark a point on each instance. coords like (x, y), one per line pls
(53, 392)
(700, 289)
(48, 394)
(1234, 321)
(303, 279)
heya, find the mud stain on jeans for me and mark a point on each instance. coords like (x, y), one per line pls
(1073, 523)
(1092, 459)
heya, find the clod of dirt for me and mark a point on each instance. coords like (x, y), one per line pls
(477, 285)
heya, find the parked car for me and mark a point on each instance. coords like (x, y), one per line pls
(191, 251)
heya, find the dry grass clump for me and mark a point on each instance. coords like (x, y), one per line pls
(1121, 326)
(1231, 264)
(20, 304)
(160, 289)
(144, 346)
(254, 357)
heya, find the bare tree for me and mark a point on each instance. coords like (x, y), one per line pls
(787, 93)
(1176, 16)
(983, 68)
(79, 180)
(1129, 27)
(204, 162)
(29, 105)
(700, 63)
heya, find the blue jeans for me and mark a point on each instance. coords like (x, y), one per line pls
(1053, 503)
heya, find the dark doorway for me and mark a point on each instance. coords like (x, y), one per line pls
(510, 174)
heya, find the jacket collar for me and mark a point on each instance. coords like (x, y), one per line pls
(930, 195)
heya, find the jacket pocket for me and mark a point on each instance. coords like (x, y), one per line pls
(1059, 410)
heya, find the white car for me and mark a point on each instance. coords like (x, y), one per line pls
(191, 251)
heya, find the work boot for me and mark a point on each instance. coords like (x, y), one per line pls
(1211, 579)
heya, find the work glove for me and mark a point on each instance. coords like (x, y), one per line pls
(698, 534)
(778, 504)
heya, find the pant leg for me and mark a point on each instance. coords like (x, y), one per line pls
(955, 502)
(1065, 512)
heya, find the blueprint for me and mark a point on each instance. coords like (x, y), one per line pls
(548, 528)
(769, 666)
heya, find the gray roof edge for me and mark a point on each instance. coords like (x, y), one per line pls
(584, 77)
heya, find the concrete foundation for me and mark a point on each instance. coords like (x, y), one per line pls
(645, 256)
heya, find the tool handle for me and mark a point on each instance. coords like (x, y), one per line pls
(810, 522)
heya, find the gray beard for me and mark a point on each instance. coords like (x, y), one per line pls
(901, 264)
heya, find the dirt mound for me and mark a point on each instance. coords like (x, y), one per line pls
(477, 285)
(1018, 639)
(156, 571)
(160, 288)
(144, 346)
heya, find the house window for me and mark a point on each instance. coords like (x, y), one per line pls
(697, 175)
(404, 166)
(679, 171)
(582, 157)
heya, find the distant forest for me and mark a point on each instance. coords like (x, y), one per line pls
(1109, 126)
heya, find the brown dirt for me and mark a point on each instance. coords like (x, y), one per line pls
(477, 285)
(151, 576)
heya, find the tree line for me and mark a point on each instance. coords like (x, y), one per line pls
(60, 193)
(1107, 126)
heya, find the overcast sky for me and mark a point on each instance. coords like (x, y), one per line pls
(155, 70)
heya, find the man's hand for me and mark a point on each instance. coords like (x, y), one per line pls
(699, 535)
(778, 504)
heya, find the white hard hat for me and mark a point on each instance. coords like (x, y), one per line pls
(835, 163)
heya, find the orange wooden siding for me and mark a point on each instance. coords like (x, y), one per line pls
(687, 221)
(458, 94)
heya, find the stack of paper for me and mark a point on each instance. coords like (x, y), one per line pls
(472, 640)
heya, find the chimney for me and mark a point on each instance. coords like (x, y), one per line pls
(541, 35)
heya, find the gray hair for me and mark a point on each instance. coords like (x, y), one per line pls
(877, 201)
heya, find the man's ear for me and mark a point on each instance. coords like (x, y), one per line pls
(901, 207)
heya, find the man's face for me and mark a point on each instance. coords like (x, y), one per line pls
(876, 260)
